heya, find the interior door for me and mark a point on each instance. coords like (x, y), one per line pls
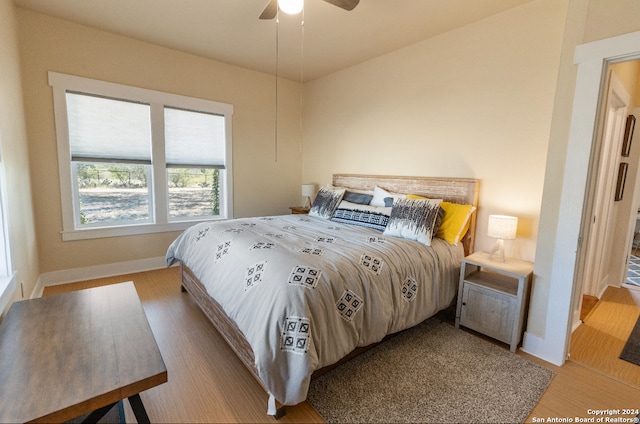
(600, 242)
(597, 237)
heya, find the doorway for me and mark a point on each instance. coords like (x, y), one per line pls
(608, 228)
(612, 201)
(601, 221)
(560, 262)
(610, 207)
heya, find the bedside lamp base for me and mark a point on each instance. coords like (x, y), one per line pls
(498, 251)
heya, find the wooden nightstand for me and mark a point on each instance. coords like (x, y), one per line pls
(299, 210)
(493, 297)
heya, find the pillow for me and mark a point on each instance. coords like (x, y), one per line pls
(413, 219)
(455, 222)
(436, 227)
(326, 202)
(355, 197)
(379, 194)
(353, 190)
(364, 215)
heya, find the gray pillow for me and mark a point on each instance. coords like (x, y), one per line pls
(359, 198)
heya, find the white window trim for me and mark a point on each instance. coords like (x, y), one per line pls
(7, 274)
(61, 83)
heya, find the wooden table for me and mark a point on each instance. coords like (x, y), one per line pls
(66, 355)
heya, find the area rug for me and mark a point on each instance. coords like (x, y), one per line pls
(432, 373)
(631, 350)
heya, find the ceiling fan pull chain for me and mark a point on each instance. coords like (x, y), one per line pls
(301, 76)
(277, 58)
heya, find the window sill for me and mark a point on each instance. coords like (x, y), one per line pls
(7, 287)
(129, 230)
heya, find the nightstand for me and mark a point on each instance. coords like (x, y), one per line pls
(493, 297)
(299, 210)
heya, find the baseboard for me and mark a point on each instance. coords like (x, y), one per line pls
(576, 322)
(604, 289)
(55, 278)
(536, 346)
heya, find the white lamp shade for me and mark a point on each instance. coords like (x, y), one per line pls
(502, 227)
(308, 190)
(292, 7)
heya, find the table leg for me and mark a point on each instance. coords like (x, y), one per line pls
(98, 413)
(138, 409)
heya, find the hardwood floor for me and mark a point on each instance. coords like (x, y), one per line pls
(588, 303)
(597, 343)
(206, 383)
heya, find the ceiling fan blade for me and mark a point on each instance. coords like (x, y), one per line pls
(270, 11)
(344, 4)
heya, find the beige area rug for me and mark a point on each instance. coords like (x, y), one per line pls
(432, 373)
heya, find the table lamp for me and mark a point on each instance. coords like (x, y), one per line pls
(501, 227)
(308, 190)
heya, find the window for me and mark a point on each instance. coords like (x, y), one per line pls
(136, 161)
(193, 164)
(110, 147)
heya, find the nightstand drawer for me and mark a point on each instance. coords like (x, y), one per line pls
(489, 312)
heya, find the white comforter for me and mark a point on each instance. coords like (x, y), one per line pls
(306, 291)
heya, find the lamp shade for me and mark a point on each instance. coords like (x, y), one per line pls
(502, 227)
(292, 7)
(308, 190)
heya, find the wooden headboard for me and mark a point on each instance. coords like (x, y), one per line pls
(454, 190)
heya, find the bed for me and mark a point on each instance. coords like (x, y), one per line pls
(296, 294)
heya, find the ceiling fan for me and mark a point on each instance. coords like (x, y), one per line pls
(271, 10)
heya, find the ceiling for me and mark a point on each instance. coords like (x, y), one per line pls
(229, 31)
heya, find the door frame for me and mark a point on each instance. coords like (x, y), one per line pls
(592, 60)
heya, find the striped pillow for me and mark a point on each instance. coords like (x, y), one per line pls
(375, 217)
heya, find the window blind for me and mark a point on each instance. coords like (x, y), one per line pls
(103, 129)
(194, 139)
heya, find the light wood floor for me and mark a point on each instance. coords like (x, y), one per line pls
(206, 383)
(597, 343)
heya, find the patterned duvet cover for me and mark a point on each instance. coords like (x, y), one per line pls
(306, 291)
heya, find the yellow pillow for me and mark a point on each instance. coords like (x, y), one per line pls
(415, 197)
(455, 222)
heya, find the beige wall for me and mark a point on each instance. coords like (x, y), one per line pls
(610, 18)
(13, 142)
(474, 102)
(262, 184)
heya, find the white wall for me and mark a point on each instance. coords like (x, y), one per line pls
(625, 210)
